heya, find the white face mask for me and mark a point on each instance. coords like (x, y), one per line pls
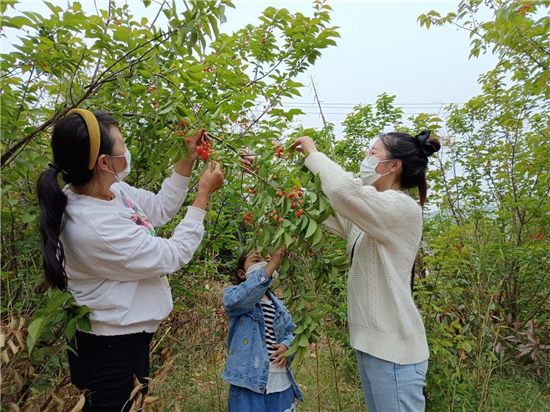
(367, 170)
(257, 266)
(121, 175)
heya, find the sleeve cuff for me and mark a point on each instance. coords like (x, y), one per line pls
(195, 214)
(263, 279)
(316, 162)
(259, 277)
(179, 181)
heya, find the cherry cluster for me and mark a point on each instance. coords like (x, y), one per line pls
(279, 152)
(180, 128)
(276, 217)
(205, 151)
(248, 218)
(295, 194)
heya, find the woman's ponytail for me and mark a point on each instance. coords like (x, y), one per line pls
(52, 207)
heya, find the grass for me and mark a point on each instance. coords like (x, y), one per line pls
(188, 373)
(188, 356)
(517, 393)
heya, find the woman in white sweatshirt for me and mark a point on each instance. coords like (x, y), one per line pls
(383, 227)
(99, 242)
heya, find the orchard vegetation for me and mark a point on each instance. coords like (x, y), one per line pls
(482, 280)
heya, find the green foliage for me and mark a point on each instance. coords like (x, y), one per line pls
(485, 295)
(482, 287)
(59, 312)
(160, 83)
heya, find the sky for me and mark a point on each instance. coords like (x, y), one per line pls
(382, 49)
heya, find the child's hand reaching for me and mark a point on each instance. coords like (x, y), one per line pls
(275, 262)
(279, 361)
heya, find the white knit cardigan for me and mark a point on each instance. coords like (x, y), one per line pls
(386, 228)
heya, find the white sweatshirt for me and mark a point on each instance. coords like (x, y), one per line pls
(115, 263)
(383, 319)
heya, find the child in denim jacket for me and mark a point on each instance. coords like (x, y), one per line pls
(260, 331)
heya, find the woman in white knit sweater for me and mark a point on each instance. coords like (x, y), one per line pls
(383, 227)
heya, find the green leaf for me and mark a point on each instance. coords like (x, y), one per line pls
(312, 228)
(28, 218)
(17, 22)
(317, 313)
(288, 239)
(318, 183)
(83, 310)
(70, 329)
(35, 331)
(303, 341)
(291, 351)
(318, 235)
(84, 324)
(278, 234)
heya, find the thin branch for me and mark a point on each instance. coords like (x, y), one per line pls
(324, 120)
(25, 93)
(183, 94)
(104, 32)
(539, 307)
(76, 71)
(128, 53)
(270, 104)
(158, 13)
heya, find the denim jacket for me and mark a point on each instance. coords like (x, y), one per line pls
(247, 361)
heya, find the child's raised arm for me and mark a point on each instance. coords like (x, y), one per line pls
(275, 261)
(240, 299)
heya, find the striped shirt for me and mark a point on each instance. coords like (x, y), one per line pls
(269, 316)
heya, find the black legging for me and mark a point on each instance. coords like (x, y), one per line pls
(105, 365)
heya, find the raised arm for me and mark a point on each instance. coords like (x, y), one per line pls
(118, 249)
(161, 207)
(379, 214)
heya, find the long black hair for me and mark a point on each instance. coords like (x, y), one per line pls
(71, 151)
(413, 153)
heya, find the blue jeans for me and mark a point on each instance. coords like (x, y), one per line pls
(389, 387)
(244, 400)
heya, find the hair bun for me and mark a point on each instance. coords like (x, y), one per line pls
(427, 145)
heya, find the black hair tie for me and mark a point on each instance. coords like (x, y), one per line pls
(56, 167)
(427, 148)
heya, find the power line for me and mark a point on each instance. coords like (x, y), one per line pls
(346, 113)
(327, 104)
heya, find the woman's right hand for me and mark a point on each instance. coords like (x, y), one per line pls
(305, 144)
(211, 179)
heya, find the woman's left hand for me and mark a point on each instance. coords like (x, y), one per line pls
(194, 141)
(305, 145)
(279, 361)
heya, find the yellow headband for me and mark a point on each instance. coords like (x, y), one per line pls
(93, 132)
